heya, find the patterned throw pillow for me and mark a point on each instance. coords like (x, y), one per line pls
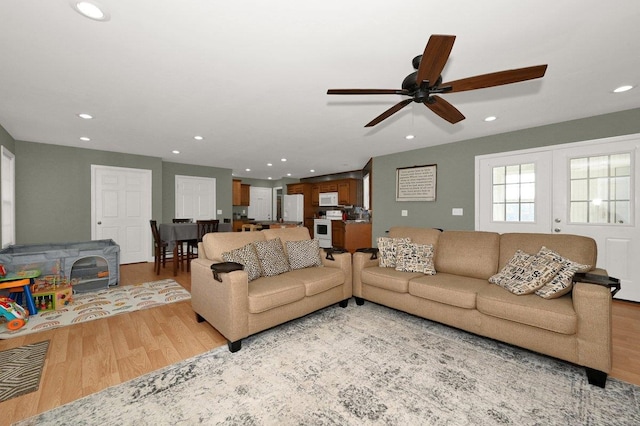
(411, 257)
(562, 283)
(272, 258)
(526, 273)
(248, 258)
(303, 254)
(387, 247)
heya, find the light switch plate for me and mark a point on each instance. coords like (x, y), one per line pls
(219, 212)
(456, 211)
(404, 212)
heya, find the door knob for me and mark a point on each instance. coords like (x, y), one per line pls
(556, 230)
(557, 220)
(99, 223)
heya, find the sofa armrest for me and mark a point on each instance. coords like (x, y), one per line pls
(224, 305)
(361, 260)
(593, 306)
(341, 261)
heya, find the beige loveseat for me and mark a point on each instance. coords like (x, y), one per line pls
(238, 308)
(575, 327)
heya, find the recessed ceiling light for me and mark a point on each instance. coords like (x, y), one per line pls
(91, 9)
(288, 174)
(409, 137)
(269, 164)
(283, 159)
(175, 151)
(491, 118)
(85, 139)
(312, 171)
(247, 170)
(198, 138)
(622, 89)
(85, 116)
(269, 178)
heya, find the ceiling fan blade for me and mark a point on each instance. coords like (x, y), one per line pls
(388, 113)
(444, 109)
(367, 92)
(496, 78)
(435, 56)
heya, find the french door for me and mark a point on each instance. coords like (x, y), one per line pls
(195, 197)
(589, 188)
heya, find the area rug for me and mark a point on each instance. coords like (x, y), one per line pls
(360, 365)
(21, 368)
(100, 304)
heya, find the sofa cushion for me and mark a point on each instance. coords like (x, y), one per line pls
(578, 248)
(287, 234)
(216, 243)
(412, 257)
(525, 273)
(272, 258)
(388, 278)
(388, 250)
(555, 315)
(562, 283)
(303, 254)
(248, 258)
(417, 235)
(319, 279)
(267, 293)
(469, 253)
(449, 289)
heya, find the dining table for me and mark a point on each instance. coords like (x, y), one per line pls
(175, 234)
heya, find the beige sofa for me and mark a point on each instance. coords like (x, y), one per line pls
(575, 327)
(238, 308)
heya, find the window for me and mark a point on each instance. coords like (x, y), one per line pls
(514, 192)
(601, 189)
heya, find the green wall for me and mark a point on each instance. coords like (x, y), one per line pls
(456, 169)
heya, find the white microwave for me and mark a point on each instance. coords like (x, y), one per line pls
(328, 199)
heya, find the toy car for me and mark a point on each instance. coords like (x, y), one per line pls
(15, 314)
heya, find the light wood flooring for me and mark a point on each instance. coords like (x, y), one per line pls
(86, 358)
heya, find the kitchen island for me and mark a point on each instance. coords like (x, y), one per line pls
(351, 234)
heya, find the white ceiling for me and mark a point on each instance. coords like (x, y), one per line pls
(251, 76)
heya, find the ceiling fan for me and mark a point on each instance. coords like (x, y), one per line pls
(425, 84)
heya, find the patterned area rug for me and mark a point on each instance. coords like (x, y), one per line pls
(103, 303)
(21, 368)
(360, 365)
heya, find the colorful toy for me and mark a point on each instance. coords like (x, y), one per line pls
(15, 314)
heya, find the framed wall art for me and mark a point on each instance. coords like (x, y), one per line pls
(417, 183)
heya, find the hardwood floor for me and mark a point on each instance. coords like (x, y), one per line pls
(86, 358)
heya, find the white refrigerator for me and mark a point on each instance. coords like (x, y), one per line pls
(293, 208)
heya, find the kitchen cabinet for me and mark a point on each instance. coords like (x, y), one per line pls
(296, 188)
(351, 235)
(349, 192)
(241, 193)
(331, 186)
(245, 195)
(305, 190)
(315, 195)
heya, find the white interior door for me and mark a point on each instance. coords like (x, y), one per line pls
(587, 188)
(195, 197)
(121, 210)
(597, 195)
(8, 198)
(261, 202)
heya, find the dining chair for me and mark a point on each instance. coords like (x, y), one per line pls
(181, 246)
(160, 247)
(204, 227)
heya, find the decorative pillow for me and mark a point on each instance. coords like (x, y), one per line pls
(303, 254)
(272, 258)
(248, 258)
(562, 283)
(526, 273)
(411, 257)
(387, 247)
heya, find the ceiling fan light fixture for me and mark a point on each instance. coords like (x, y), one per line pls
(622, 89)
(490, 118)
(91, 10)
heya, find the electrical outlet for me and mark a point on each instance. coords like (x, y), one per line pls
(456, 212)
(404, 212)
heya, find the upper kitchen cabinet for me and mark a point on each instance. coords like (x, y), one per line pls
(349, 192)
(315, 195)
(297, 188)
(241, 193)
